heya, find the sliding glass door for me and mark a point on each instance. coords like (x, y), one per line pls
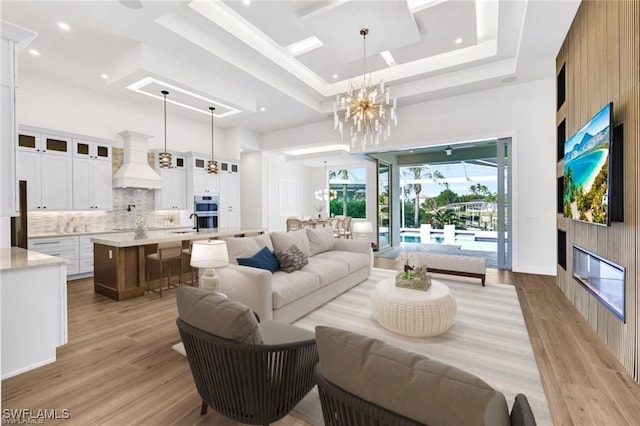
(384, 205)
(503, 158)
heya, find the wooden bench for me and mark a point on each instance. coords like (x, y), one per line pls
(466, 266)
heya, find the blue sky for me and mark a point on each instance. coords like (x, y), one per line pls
(599, 122)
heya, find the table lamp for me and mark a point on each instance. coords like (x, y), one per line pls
(206, 255)
(362, 229)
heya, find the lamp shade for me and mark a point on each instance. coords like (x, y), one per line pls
(362, 227)
(209, 254)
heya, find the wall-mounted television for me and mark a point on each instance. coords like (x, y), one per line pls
(593, 171)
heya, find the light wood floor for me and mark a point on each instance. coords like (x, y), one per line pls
(118, 367)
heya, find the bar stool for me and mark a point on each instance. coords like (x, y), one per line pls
(186, 254)
(167, 252)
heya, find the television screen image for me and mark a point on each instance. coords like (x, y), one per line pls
(586, 170)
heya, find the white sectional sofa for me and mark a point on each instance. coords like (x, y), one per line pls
(335, 265)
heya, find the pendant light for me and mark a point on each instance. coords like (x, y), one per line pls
(164, 158)
(212, 165)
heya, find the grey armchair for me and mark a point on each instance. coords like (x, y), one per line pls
(250, 372)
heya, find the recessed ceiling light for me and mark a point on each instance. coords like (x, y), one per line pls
(304, 46)
(104, 76)
(317, 149)
(246, 2)
(64, 26)
(263, 109)
(241, 150)
(144, 84)
(34, 52)
(335, 76)
(458, 40)
(386, 55)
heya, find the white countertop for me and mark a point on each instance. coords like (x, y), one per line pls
(19, 258)
(128, 239)
(103, 231)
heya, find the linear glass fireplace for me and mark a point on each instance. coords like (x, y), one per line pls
(602, 278)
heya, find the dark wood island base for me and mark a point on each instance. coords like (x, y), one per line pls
(120, 265)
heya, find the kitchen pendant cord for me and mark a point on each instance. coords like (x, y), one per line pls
(165, 93)
(212, 109)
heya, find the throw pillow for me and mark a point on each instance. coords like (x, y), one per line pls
(291, 260)
(216, 314)
(283, 240)
(264, 259)
(320, 240)
(241, 247)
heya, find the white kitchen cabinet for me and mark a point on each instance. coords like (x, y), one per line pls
(202, 181)
(85, 254)
(66, 247)
(78, 250)
(92, 184)
(229, 208)
(173, 195)
(198, 180)
(12, 40)
(96, 150)
(45, 163)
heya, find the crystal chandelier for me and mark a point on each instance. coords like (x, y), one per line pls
(164, 158)
(365, 111)
(212, 165)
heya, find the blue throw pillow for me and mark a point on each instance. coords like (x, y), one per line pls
(264, 259)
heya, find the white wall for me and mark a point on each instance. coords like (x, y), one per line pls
(273, 189)
(524, 112)
(253, 190)
(57, 106)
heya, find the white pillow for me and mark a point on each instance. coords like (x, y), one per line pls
(241, 247)
(320, 240)
(283, 240)
(263, 240)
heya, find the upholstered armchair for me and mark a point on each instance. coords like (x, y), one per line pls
(248, 371)
(396, 387)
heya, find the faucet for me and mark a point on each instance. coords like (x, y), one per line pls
(197, 227)
(129, 206)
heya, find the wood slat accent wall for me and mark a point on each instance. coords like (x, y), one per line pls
(601, 55)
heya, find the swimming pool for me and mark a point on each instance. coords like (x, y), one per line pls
(466, 242)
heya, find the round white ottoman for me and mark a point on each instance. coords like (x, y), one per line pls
(413, 312)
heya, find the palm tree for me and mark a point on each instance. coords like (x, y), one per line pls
(417, 188)
(344, 175)
(416, 174)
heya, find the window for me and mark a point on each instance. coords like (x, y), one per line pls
(350, 188)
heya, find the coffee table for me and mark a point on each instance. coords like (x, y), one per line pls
(413, 312)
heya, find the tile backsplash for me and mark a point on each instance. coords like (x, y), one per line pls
(119, 217)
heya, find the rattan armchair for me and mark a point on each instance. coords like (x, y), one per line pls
(400, 388)
(250, 383)
(341, 408)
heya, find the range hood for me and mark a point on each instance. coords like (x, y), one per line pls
(135, 171)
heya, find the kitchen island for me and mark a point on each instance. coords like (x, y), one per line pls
(33, 292)
(120, 265)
